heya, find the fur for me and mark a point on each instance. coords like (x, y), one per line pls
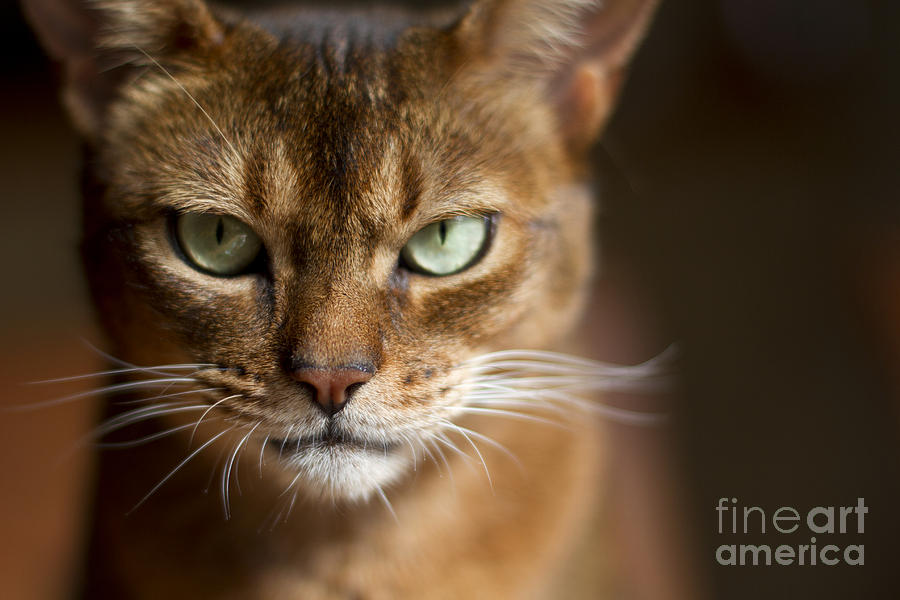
(336, 140)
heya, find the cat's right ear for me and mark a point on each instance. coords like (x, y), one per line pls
(99, 42)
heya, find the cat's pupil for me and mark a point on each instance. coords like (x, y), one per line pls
(442, 232)
(220, 231)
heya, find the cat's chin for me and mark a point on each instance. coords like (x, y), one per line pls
(344, 471)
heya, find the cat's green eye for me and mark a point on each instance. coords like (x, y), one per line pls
(447, 246)
(218, 244)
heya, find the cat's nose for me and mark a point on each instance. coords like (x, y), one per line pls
(332, 388)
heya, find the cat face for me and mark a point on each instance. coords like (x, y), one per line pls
(335, 166)
(388, 208)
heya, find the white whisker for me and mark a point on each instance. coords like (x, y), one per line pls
(212, 471)
(226, 472)
(580, 383)
(140, 441)
(412, 449)
(513, 383)
(494, 443)
(158, 370)
(292, 483)
(212, 406)
(178, 467)
(141, 414)
(433, 443)
(543, 405)
(508, 414)
(607, 411)
(426, 453)
(441, 437)
(536, 398)
(166, 396)
(387, 503)
(290, 506)
(226, 482)
(463, 433)
(284, 441)
(543, 356)
(145, 439)
(123, 363)
(262, 451)
(117, 387)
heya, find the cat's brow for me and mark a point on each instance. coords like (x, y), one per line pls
(199, 203)
(474, 202)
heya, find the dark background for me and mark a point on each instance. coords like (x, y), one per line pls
(750, 185)
(759, 140)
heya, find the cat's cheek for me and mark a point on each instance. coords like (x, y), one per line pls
(554, 283)
(477, 304)
(221, 319)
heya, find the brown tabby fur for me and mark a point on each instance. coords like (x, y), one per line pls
(336, 136)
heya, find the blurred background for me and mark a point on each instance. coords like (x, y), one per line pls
(749, 186)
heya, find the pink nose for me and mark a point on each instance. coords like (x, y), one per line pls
(332, 388)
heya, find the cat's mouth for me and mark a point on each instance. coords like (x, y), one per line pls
(331, 439)
(338, 463)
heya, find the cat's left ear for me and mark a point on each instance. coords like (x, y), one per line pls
(97, 41)
(575, 51)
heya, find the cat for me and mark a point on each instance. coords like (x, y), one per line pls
(339, 242)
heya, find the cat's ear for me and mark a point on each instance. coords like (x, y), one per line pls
(99, 42)
(574, 51)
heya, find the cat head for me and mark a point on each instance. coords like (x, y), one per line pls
(332, 213)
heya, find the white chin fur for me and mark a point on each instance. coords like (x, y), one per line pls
(345, 473)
